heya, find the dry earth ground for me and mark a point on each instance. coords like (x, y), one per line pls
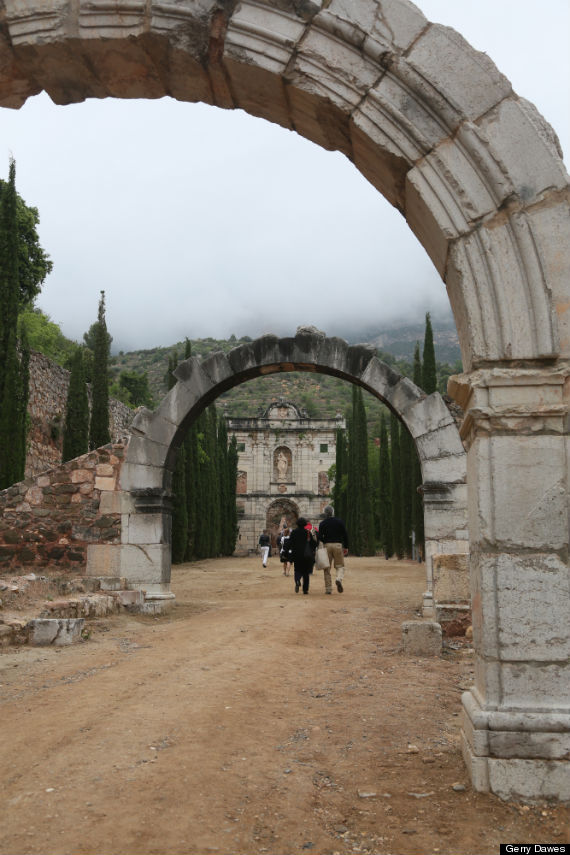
(249, 720)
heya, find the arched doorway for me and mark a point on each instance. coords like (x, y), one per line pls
(477, 174)
(281, 513)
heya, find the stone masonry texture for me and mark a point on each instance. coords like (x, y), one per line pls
(48, 395)
(46, 522)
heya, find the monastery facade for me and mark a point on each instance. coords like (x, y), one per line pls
(283, 464)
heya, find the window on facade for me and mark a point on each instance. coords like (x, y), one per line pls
(324, 447)
(240, 447)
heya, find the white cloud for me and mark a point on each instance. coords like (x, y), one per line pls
(198, 222)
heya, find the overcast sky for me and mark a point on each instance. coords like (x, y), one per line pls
(202, 222)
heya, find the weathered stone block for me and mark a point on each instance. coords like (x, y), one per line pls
(265, 38)
(158, 604)
(135, 476)
(217, 368)
(403, 395)
(456, 80)
(399, 23)
(502, 513)
(116, 503)
(54, 631)
(427, 415)
(535, 685)
(352, 20)
(521, 744)
(526, 147)
(6, 635)
(421, 638)
(532, 596)
(550, 229)
(441, 442)
(449, 469)
(142, 528)
(442, 519)
(141, 564)
(103, 560)
(451, 578)
(529, 779)
(333, 70)
(183, 397)
(105, 483)
(515, 333)
(130, 598)
(458, 186)
(146, 452)
(381, 380)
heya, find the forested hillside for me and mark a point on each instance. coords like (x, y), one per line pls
(320, 395)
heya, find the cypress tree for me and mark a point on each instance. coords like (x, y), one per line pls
(213, 491)
(13, 367)
(367, 521)
(384, 492)
(341, 463)
(23, 399)
(179, 513)
(9, 269)
(10, 422)
(360, 516)
(205, 537)
(417, 503)
(429, 374)
(179, 501)
(232, 521)
(99, 430)
(76, 430)
(223, 481)
(396, 486)
(352, 506)
(191, 476)
(407, 454)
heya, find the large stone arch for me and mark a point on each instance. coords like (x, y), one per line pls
(144, 557)
(479, 177)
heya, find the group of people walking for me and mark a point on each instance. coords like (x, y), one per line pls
(298, 547)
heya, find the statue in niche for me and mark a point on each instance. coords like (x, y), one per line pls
(282, 466)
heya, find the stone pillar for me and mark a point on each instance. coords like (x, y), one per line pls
(445, 529)
(142, 561)
(516, 718)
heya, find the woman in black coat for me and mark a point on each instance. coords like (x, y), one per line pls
(302, 545)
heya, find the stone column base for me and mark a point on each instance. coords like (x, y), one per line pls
(157, 603)
(428, 606)
(516, 754)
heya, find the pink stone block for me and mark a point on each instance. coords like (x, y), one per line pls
(104, 469)
(35, 496)
(104, 483)
(79, 475)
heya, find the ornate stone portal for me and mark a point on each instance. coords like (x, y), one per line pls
(479, 177)
(282, 452)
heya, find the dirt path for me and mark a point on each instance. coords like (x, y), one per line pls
(250, 720)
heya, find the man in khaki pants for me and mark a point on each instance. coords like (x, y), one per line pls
(332, 532)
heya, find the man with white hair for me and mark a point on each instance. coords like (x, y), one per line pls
(332, 532)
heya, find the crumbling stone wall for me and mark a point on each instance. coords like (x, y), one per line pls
(49, 383)
(47, 521)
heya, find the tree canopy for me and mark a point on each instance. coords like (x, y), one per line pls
(34, 263)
